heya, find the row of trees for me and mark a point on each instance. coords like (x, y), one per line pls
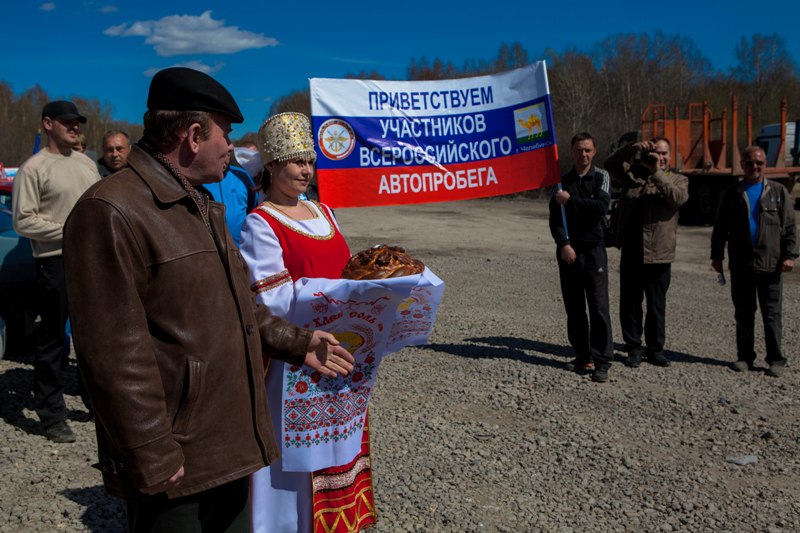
(603, 90)
(606, 90)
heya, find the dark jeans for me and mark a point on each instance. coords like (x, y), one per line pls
(637, 282)
(51, 305)
(767, 287)
(223, 509)
(585, 282)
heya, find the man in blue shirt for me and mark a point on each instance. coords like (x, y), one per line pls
(756, 219)
(238, 192)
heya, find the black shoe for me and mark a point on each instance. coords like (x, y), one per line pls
(741, 366)
(634, 360)
(775, 370)
(579, 365)
(600, 374)
(59, 432)
(659, 359)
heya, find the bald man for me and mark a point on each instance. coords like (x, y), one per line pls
(756, 219)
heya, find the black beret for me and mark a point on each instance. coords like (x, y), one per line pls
(185, 89)
(62, 109)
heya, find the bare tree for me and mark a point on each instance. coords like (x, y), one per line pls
(767, 73)
(677, 68)
(298, 101)
(576, 90)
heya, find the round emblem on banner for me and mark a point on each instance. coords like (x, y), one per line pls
(336, 139)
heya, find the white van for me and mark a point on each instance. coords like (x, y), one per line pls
(769, 138)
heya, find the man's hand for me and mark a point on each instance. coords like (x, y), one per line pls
(649, 159)
(326, 355)
(716, 264)
(562, 197)
(567, 254)
(787, 265)
(164, 486)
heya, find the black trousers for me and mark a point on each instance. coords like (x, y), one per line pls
(584, 284)
(51, 304)
(637, 282)
(223, 509)
(767, 288)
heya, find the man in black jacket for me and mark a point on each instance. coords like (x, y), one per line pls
(582, 259)
(756, 219)
(116, 147)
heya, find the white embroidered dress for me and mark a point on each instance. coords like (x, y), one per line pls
(281, 500)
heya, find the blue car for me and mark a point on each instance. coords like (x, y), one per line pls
(17, 281)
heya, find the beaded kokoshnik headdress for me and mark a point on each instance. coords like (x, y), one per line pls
(286, 137)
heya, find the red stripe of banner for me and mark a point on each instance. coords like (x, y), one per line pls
(362, 187)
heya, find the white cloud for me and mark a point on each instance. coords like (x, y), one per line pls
(48, 6)
(115, 31)
(109, 9)
(187, 34)
(196, 65)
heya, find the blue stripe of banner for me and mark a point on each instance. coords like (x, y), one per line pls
(513, 123)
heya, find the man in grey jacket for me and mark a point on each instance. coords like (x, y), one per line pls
(756, 219)
(647, 233)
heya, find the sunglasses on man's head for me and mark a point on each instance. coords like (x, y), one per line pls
(754, 162)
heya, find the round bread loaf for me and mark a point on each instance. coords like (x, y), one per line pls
(380, 262)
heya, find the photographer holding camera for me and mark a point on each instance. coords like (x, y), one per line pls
(646, 233)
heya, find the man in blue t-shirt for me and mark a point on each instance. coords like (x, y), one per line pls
(756, 219)
(238, 192)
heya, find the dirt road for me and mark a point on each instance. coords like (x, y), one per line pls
(482, 429)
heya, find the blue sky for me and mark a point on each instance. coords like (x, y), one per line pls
(260, 51)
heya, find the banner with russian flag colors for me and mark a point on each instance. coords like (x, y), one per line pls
(409, 142)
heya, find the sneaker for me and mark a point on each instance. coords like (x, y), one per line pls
(579, 365)
(600, 375)
(775, 370)
(741, 366)
(60, 432)
(634, 360)
(659, 359)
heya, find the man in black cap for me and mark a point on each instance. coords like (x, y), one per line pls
(46, 188)
(167, 332)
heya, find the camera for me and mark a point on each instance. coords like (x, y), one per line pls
(649, 157)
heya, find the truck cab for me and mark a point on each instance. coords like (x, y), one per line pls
(769, 138)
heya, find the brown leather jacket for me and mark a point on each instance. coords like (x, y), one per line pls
(168, 337)
(648, 208)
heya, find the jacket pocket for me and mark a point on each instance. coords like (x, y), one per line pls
(771, 216)
(192, 385)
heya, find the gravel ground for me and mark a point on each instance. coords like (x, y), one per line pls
(482, 430)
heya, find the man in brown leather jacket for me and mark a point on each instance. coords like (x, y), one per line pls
(647, 232)
(167, 333)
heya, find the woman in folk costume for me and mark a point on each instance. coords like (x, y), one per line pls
(285, 239)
